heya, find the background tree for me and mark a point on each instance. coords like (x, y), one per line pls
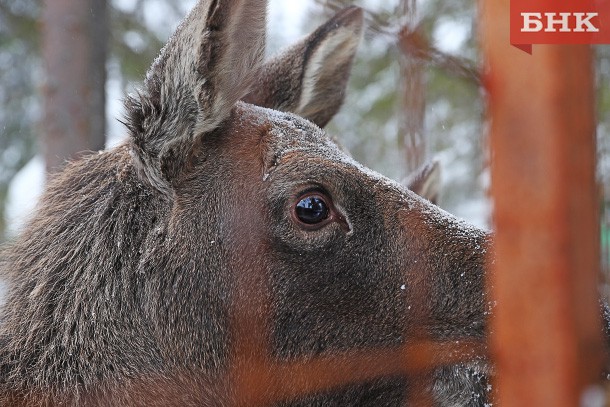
(74, 43)
(132, 46)
(19, 105)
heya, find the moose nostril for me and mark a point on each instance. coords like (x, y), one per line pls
(312, 209)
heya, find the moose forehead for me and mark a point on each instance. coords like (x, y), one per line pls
(286, 139)
(315, 277)
(282, 133)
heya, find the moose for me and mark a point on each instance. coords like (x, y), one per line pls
(228, 207)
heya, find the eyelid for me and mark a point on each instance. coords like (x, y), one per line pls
(312, 190)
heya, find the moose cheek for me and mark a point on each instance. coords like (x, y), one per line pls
(335, 291)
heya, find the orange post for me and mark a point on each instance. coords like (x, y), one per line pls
(546, 334)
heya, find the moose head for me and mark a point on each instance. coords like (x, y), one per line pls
(230, 230)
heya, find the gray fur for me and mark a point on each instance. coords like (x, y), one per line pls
(125, 285)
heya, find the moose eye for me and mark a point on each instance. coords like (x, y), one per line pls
(312, 209)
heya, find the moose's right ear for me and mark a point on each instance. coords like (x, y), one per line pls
(425, 181)
(204, 69)
(309, 78)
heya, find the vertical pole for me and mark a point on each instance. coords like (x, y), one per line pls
(546, 332)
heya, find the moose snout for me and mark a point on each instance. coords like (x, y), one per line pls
(443, 262)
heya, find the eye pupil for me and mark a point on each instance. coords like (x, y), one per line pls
(311, 210)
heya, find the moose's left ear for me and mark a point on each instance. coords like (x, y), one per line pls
(309, 78)
(204, 69)
(425, 181)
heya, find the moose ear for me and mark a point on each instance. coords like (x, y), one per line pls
(204, 69)
(425, 181)
(309, 78)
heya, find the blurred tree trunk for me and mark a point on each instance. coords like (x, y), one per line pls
(413, 89)
(74, 46)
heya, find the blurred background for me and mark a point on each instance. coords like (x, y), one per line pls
(415, 92)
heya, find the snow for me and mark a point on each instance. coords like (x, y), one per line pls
(476, 211)
(285, 17)
(116, 132)
(593, 396)
(125, 5)
(23, 193)
(451, 34)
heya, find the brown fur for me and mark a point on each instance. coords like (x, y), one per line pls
(134, 279)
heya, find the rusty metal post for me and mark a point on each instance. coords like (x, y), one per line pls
(546, 334)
